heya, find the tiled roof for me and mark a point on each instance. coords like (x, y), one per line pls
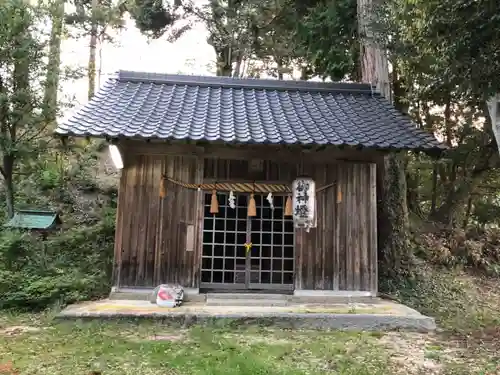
(159, 106)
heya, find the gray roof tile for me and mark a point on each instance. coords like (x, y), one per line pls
(147, 105)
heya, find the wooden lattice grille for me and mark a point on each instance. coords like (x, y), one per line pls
(225, 261)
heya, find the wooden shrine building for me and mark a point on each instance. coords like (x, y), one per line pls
(246, 184)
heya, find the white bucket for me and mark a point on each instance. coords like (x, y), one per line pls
(165, 297)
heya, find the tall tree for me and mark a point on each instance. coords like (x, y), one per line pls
(393, 220)
(91, 67)
(22, 69)
(92, 19)
(230, 32)
(240, 31)
(50, 104)
(326, 37)
(448, 51)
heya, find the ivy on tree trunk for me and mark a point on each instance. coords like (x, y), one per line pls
(393, 223)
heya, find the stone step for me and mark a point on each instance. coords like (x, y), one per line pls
(246, 302)
(248, 296)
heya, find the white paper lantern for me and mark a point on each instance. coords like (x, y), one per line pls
(304, 203)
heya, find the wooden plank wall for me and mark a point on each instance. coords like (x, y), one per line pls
(240, 170)
(150, 246)
(341, 253)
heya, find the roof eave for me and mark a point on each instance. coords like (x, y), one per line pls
(431, 151)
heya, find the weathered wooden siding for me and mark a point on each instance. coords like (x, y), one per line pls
(150, 246)
(241, 170)
(341, 253)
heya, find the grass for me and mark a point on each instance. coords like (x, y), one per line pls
(129, 348)
(466, 308)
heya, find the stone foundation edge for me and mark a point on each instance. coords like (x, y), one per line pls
(351, 322)
(143, 294)
(299, 296)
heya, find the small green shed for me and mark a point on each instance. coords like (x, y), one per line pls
(36, 220)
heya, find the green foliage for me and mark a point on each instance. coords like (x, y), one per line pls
(74, 264)
(328, 37)
(459, 302)
(444, 62)
(21, 67)
(153, 17)
(462, 34)
(70, 266)
(486, 211)
(22, 71)
(50, 177)
(105, 15)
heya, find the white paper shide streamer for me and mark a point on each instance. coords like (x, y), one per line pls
(232, 200)
(270, 200)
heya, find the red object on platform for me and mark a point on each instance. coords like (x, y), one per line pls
(164, 295)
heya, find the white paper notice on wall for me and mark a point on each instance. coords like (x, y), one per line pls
(190, 237)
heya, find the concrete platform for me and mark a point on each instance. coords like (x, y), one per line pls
(375, 316)
(300, 297)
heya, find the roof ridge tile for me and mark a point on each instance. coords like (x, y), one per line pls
(242, 83)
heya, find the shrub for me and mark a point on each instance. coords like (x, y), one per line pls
(475, 248)
(69, 266)
(453, 297)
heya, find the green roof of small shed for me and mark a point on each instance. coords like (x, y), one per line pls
(34, 219)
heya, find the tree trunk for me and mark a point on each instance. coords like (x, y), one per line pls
(434, 188)
(8, 171)
(279, 64)
(54, 62)
(467, 213)
(238, 68)
(447, 122)
(374, 64)
(224, 62)
(449, 212)
(303, 73)
(224, 71)
(99, 72)
(412, 195)
(22, 108)
(393, 222)
(458, 193)
(91, 74)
